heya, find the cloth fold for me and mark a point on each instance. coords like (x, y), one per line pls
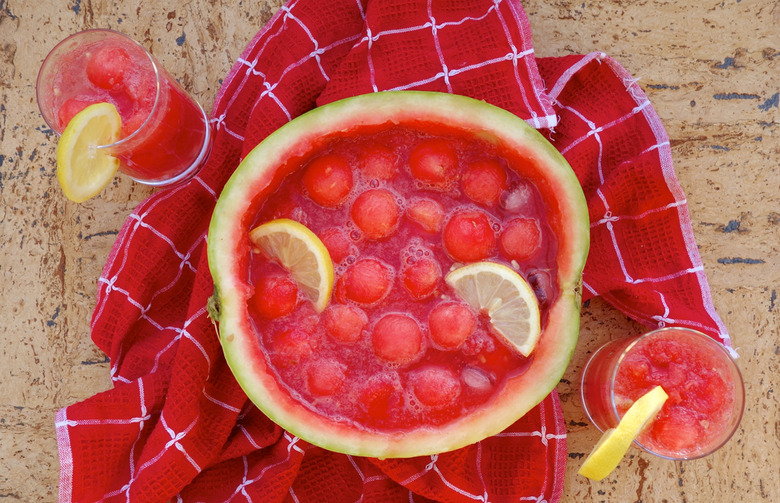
(177, 427)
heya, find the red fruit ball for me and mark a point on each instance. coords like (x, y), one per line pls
(325, 377)
(521, 238)
(376, 213)
(292, 346)
(469, 237)
(450, 324)
(328, 180)
(378, 162)
(427, 213)
(434, 162)
(337, 242)
(484, 181)
(421, 278)
(379, 393)
(107, 67)
(70, 108)
(275, 296)
(397, 338)
(366, 282)
(435, 386)
(345, 323)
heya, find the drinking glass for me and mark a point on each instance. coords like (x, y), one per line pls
(165, 138)
(704, 385)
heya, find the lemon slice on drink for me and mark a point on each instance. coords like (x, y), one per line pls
(615, 442)
(82, 168)
(302, 253)
(505, 296)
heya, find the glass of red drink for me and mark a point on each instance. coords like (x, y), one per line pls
(165, 137)
(705, 388)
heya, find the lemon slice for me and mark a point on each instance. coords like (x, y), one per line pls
(615, 442)
(505, 297)
(82, 168)
(302, 253)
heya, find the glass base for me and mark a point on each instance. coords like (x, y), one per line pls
(196, 165)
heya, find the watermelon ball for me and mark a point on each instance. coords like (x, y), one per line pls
(275, 296)
(435, 386)
(421, 278)
(484, 181)
(376, 213)
(679, 429)
(292, 346)
(328, 180)
(434, 162)
(450, 324)
(107, 66)
(378, 394)
(366, 282)
(427, 213)
(325, 377)
(378, 162)
(521, 238)
(469, 237)
(338, 244)
(70, 108)
(345, 323)
(397, 338)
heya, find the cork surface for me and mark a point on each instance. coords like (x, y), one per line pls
(709, 68)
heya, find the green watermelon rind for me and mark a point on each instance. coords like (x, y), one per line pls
(227, 241)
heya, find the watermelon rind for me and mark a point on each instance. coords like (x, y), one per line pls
(256, 177)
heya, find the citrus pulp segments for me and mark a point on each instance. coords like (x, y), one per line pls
(260, 172)
(505, 296)
(301, 252)
(83, 169)
(614, 443)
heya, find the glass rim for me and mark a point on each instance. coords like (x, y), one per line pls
(739, 388)
(107, 32)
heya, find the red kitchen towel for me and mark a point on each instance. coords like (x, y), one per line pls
(176, 426)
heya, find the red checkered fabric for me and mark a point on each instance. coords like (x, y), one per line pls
(177, 427)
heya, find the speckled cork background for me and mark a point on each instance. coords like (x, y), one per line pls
(710, 68)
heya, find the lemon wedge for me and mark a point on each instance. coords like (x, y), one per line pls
(614, 444)
(302, 253)
(505, 296)
(82, 168)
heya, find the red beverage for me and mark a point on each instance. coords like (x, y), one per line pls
(165, 134)
(705, 388)
(396, 348)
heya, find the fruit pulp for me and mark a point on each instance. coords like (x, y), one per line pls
(705, 389)
(165, 134)
(396, 215)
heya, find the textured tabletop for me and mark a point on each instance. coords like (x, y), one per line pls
(710, 69)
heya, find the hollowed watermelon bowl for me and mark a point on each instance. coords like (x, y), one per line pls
(435, 398)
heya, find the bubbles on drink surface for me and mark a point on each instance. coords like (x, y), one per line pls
(401, 347)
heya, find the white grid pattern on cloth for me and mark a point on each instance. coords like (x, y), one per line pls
(446, 72)
(62, 426)
(663, 149)
(284, 16)
(365, 480)
(430, 468)
(292, 446)
(127, 235)
(279, 24)
(558, 438)
(63, 423)
(107, 283)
